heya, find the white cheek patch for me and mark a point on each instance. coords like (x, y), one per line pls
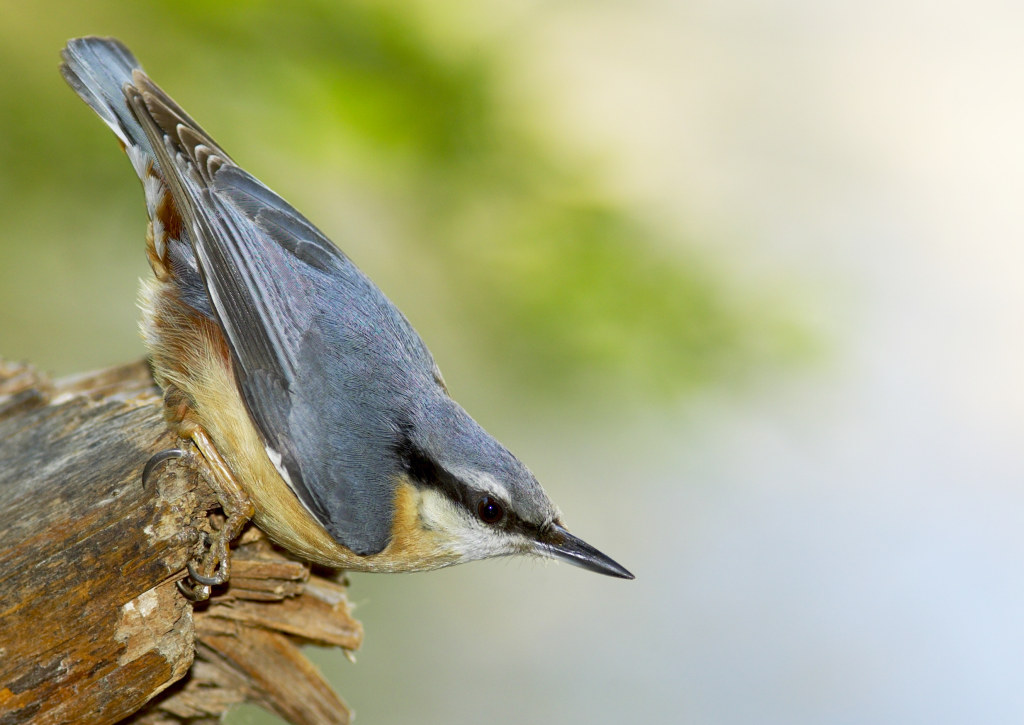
(469, 537)
(438, 512)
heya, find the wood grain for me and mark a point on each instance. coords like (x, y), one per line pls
(92, 626)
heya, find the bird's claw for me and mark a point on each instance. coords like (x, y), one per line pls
(156, 459)
(198, 593)
(213, 567)
(217, 559)
(216, 580)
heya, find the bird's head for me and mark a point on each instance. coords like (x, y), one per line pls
(478, 499)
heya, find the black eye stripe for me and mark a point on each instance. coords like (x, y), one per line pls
(424, 471)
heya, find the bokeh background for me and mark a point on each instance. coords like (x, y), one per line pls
(739, 280)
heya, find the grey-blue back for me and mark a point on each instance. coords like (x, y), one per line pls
(328, 367)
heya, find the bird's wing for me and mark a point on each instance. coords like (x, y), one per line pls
(292, 306)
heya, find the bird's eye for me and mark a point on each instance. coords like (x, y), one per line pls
(489, 510)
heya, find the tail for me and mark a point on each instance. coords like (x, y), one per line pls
(97, 70)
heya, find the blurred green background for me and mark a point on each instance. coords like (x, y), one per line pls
(407, 133)
(739, 281)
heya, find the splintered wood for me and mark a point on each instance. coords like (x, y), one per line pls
(92, 625)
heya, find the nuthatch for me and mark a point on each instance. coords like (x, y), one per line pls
(315, 407)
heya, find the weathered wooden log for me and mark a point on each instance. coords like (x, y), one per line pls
(92, 625)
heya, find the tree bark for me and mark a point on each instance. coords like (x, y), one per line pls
(92, 625)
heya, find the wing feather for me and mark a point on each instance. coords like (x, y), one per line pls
(326, 363)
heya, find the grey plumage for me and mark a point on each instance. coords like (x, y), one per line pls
(339, 385)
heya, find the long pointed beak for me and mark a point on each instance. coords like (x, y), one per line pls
(558, 543)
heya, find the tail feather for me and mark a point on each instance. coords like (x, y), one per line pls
(97, 70)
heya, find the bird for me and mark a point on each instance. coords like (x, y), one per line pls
(298, 389)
